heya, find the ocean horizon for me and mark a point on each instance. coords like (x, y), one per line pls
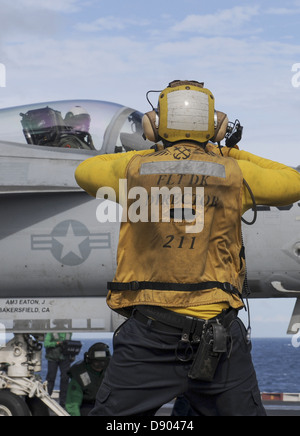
(276, 361)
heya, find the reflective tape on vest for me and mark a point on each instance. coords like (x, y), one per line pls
(191, 167)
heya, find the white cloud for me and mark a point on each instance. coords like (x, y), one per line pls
(103, 23)
(283, 11)
(18, 20)
(109, 23)
(225, 21)
(52, 5)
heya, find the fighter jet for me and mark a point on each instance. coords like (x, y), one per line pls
(56, 257)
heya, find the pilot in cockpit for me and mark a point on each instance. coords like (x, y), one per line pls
(79, 120)
(46, 127)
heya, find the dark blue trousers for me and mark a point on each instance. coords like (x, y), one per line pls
(145, 374)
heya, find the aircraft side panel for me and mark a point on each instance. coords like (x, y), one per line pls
(55, 260)
(273, 252)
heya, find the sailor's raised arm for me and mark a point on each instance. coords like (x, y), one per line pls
(104, 171)
(272, 183)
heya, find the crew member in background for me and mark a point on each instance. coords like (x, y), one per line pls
(86, 378)
(57, 359)
(180, 279)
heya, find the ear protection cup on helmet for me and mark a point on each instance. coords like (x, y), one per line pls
(150, 124)
(220, 127)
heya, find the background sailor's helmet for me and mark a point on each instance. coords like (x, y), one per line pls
(98, 351)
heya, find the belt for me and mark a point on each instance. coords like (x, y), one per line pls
(168, 321)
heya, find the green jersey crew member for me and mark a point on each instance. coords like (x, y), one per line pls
(181, 286)
(57, 359)
(86, 378)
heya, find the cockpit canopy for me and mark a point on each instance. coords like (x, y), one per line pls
(83, 124)
(46, 126)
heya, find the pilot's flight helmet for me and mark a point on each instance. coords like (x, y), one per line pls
(186, 111)
(78, 118)
(98, 351)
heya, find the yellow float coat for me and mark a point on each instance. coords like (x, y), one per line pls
(164, 252)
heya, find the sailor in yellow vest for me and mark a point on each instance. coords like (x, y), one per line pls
(181, 265)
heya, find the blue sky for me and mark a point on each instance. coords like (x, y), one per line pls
(117, 51)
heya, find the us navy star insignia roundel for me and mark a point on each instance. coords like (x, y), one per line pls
(71, 242)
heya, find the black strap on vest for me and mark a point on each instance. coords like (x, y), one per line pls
(181, 287)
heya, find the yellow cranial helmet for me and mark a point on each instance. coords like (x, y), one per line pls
(186, 111)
